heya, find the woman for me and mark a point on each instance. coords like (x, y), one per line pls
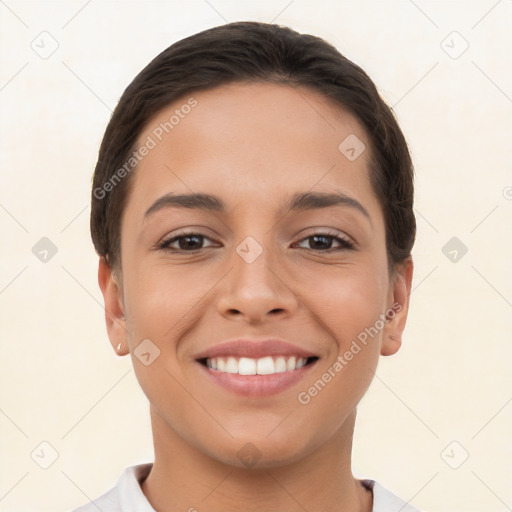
(252, 208)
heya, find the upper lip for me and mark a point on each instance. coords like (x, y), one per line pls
(254, 349)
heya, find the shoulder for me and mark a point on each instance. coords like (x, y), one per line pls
(385, 501)
(126, 496)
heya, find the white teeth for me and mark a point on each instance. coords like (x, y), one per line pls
(231, 365)
(280, 364)
(263, 366)
(290, 364)
(246, 366)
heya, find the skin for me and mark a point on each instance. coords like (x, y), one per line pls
(253, 146)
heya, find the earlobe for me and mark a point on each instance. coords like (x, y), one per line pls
(114, 308)
(398, 308)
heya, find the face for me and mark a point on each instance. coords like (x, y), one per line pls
(254, 309)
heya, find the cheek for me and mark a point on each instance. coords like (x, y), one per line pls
(349, 300)
(160, 298)
(349, 308)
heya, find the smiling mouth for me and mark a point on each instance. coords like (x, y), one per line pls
(268, 365)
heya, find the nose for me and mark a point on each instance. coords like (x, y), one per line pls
(256, 290)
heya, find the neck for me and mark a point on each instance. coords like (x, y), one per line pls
(185, 479)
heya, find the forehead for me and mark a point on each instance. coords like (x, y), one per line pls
(250, 138)
(255, 111)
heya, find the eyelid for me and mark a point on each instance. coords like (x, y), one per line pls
(325, 231)
(346, 243)
(163, 244)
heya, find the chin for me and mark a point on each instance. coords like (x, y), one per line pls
(256, 453)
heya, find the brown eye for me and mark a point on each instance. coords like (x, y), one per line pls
(324, 242)
(186, 243)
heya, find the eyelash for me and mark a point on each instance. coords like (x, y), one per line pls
(346, 245)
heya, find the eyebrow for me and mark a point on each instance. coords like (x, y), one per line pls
(298, 202)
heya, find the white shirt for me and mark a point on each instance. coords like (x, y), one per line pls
(127, 496)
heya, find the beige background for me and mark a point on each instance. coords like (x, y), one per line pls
(60, 380)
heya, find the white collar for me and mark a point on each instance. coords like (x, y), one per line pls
(127, 496)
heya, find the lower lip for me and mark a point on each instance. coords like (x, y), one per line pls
(257, 385)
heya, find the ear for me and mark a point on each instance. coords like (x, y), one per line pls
(398, 307)
(114, 308)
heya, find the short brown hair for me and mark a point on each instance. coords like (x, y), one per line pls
(254, 52)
